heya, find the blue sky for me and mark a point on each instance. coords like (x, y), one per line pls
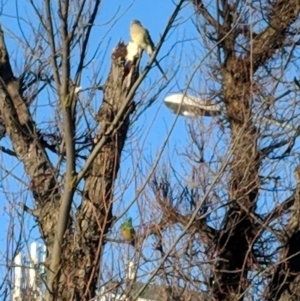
(150, 131)
(111, 26)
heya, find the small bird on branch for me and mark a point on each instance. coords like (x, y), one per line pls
(128, 231)
(140, 36)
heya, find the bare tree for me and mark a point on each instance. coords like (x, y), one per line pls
(249, 63)
(223, 227)
(74, 242)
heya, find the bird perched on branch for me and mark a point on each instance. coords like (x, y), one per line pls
(140, 36)
(128, 231)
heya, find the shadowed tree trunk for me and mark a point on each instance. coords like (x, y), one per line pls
(77, 272)
(233, 244)
(84, 247)
(75, 239)
(208, 237)
(94, 218)
(237, 235)
(284, 284)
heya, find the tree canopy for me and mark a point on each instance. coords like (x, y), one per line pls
(215, 217)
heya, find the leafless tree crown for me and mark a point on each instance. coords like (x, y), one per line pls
(215, 218)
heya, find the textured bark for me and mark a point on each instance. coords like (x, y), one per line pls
(81, 259)
(237, 235)
(284, 285)
(24, 136)
(82, 247)
(79, 266)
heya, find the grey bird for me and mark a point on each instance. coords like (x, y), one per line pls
(140, 36)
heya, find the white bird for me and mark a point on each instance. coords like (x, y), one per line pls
(191, 106)
(140, 35)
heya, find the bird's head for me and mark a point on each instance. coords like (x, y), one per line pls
(135, 22)
(129, 221)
